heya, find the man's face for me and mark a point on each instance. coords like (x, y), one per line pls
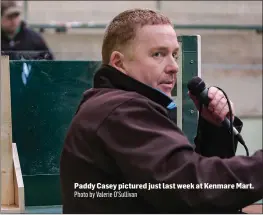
(154, 60)
(10, 23)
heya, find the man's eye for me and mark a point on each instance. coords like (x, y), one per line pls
(175, 56)
(157, 54)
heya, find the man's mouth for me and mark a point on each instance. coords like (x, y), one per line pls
(167, 83)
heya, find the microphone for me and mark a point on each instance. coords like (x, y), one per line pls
(198, 88)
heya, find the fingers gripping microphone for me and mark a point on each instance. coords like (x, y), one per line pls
(198, 88)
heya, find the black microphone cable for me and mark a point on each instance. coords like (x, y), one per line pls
(240, 139)
(231, 130)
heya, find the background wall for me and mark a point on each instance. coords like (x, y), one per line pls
(202, 12)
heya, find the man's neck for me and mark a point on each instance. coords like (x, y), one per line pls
(109, 77)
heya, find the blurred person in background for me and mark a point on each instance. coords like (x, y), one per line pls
(17, 40)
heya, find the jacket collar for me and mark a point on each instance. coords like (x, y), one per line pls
(109, 77)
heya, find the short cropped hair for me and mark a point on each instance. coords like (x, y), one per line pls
(122, 29)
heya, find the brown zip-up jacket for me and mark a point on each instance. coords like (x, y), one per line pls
(123, 133)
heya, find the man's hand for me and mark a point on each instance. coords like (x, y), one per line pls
(217, 109)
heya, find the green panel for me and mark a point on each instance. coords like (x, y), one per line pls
(44, 99)
(190, 68)
(189, 47)
(42, 190)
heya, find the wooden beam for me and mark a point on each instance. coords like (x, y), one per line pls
(7, 170)
(19, 204)
(12, 185)
(9, 209)
(18, 180)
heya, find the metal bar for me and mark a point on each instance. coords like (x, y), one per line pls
(177, 26)
(220, 27)
(235, 67)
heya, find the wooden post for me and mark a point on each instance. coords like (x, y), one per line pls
(7, 186)
(10, 167)
(18, 180)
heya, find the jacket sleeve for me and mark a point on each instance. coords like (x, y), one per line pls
(148, 148)
(216, 141)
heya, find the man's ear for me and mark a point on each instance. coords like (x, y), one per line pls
(116, 61)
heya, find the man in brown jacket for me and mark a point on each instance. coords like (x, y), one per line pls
(124, 152)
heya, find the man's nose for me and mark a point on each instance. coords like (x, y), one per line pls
(172, 67)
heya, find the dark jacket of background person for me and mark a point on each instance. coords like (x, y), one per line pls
(27, 44)
(17, 40)
(123, 132)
